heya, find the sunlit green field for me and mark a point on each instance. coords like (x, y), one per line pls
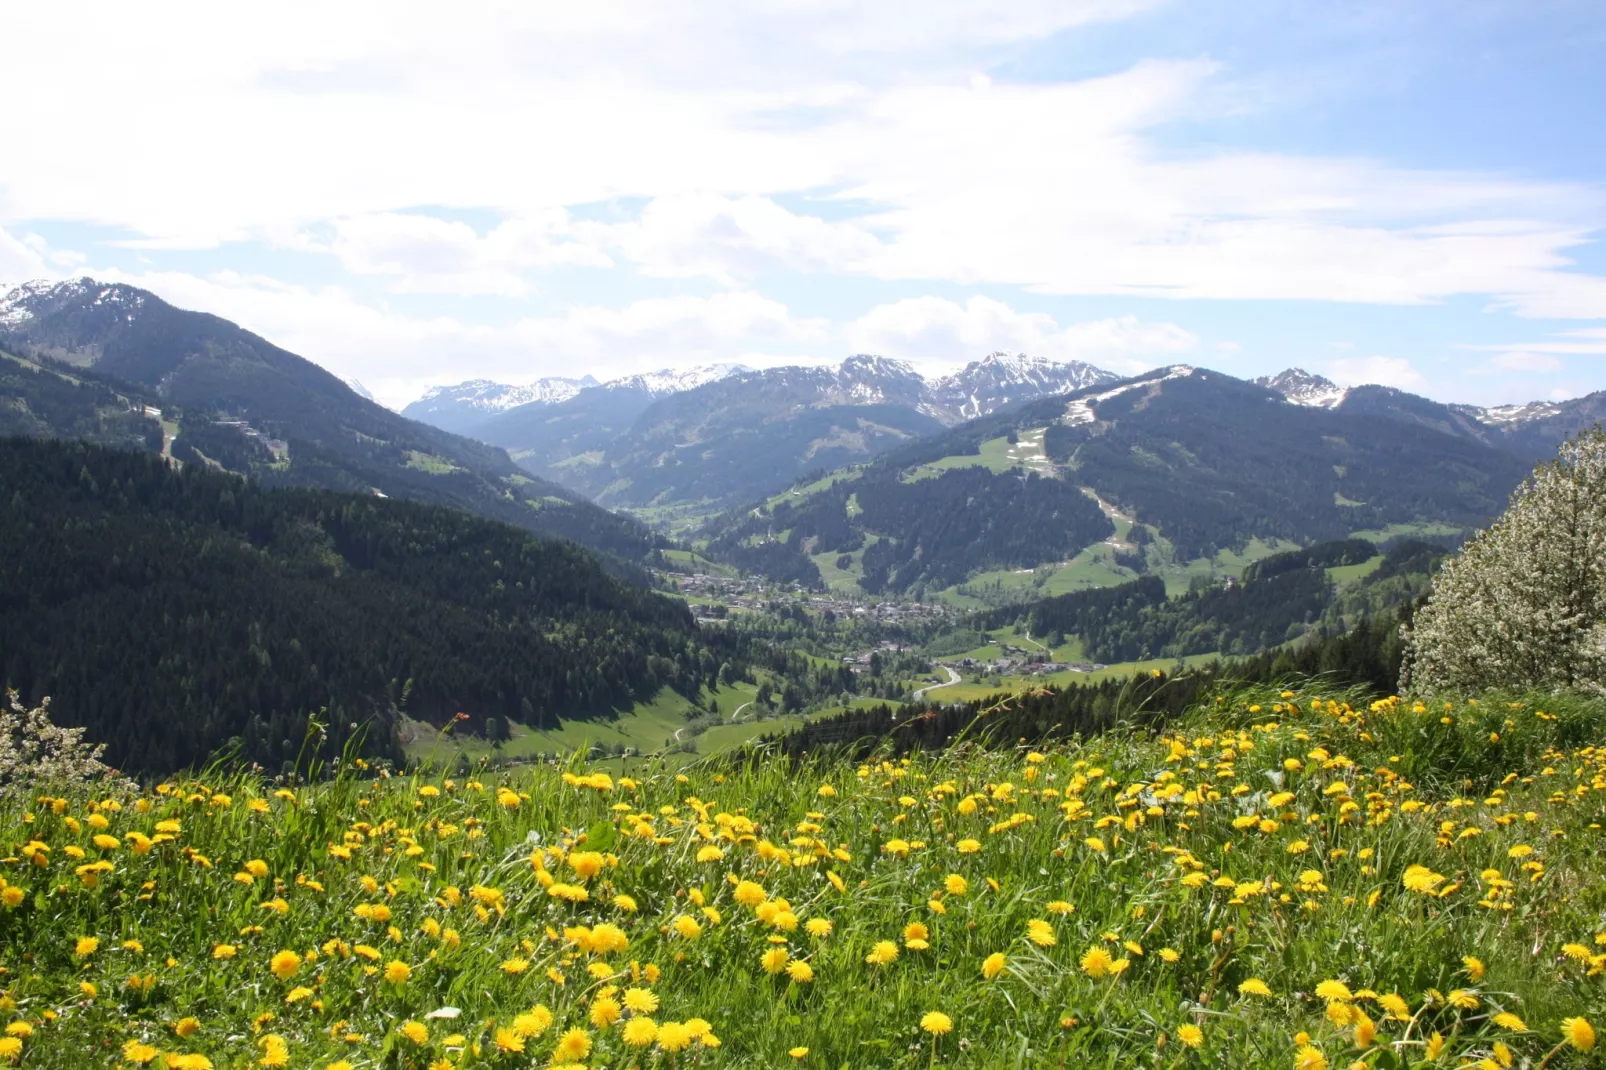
(1279, 880)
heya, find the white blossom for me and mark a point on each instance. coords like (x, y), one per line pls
(1524, 603)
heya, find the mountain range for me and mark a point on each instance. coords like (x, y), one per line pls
(1112, 481)
(114, 364)
(897, 481)
(718, 435)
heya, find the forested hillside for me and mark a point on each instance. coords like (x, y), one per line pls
(237, 393)
(42, 403)
(173, 612)
(1190, 463)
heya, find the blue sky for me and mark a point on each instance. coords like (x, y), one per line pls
(1402, 193)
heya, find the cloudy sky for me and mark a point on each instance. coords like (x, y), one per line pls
(1407, 193)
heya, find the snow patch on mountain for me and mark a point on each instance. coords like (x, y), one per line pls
(674, 380)
(1080, 410)
(488, 396)
(999, 379)
(1301, 387)
(1513, 415)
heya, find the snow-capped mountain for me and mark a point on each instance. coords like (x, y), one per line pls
(1303, 388)
(999, 379)
(463, 406)
(673, 380)
(98, 301)
(1512, 415)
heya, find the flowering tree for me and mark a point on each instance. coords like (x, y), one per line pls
(34, 750)
(1524, 603)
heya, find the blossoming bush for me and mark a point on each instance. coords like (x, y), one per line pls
(1284, 879)
(1524, 603)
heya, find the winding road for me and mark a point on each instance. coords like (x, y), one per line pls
(953, 678)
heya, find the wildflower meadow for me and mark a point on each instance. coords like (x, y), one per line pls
(1290, 878)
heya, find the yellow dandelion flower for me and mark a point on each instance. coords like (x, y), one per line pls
(1578, 1033)
(936, 1023)
(397, 972)
(993, 965)
(884, 952)
(1190, 1035)
(674, 1036)
(640, 1031)
(1096, 962)
(1254, 987)
(417, 1032)
(641, 1000)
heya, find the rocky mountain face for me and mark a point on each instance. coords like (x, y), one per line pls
(1302, 388)
(999, 380)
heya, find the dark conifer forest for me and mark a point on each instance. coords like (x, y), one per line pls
(181, 613)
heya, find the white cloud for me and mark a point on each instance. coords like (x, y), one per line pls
(709, 113)
(1382, 371)
(728, 238)
(1520, 360)
(427, 254)
(20, 260)
(937, 329)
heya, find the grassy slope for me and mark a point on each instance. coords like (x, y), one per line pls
(1163, 855)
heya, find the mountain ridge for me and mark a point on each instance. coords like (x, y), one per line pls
(229, 394)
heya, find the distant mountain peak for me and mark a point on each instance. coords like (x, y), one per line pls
(675, 380)
(1301, 387)
(999, 379)
(868, 364)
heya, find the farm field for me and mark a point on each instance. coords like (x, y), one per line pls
(1294, 879)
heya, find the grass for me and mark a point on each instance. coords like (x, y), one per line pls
(1277, 880)
(428, 462)
(1343, 574)
(995, 455)
(1009, 685)
(1394, 531)
(647, 727)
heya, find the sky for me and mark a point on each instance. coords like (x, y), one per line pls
(412, 195)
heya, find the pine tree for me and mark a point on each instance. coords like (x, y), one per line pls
(1524, 603)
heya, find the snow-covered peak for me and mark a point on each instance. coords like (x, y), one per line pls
(868, 366)
(20, 301)
(27, 301)
(1512, 415)
(360, 390)
(1301, 387)
(675, 380)
(999, 379)
(488, 396)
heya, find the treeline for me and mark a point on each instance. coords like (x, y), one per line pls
(177, 613)
(1367, 657)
